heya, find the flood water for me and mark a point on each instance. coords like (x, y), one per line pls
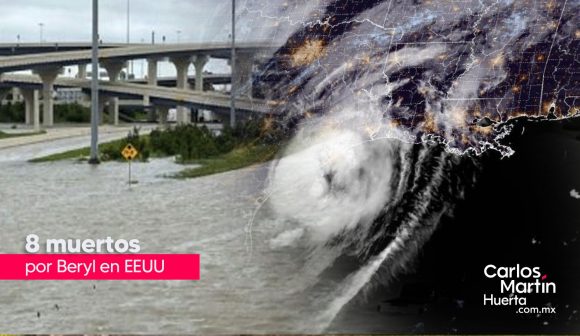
(251, 285)
(244, 284)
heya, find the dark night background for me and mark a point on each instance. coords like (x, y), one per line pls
(518, 211)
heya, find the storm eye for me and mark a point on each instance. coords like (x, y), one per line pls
(328, 177)
(361, 173)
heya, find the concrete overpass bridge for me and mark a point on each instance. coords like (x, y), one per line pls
(159, 96)
(112, 54)
(48, 66)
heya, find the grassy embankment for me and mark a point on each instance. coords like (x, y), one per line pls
(236, 159)
(233, 149)
(240, 157)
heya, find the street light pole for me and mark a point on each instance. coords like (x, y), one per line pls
(128, 21)
(178, 35)
(94, 158)
(233, 67)
(130, 69)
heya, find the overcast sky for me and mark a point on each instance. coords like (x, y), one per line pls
(70, 20)
(198, 21)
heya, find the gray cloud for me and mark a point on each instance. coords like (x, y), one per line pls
(70, 20)
(198, 20)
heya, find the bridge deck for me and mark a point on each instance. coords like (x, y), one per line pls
(205, 99)
(215, 50)
(12, 49)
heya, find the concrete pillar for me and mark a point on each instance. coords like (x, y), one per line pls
(16, 93)
(162, 111)
(32, 108)
(152, 71)
(151, 76)
(243, 74)
(28, 113)
(181, 64)
(199, 62)
(183, 115)
(48, 76)
(82, 74)
(102, 103)
(114, 68)
(114, 111)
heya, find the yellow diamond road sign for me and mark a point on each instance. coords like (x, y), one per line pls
(129, 152)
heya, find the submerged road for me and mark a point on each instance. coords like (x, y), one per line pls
(207, 215)
(59, 139)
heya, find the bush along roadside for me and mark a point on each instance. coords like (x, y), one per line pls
(185, 142)
(12, 112)
(254, 141)
(112, 151)
(189, 143)
(72, 113)
(63, 113)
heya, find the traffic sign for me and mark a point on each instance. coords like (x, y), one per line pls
(129, 152)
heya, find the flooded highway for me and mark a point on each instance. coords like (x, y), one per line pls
(207, 215)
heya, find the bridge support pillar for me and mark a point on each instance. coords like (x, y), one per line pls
(183, 115)
(32, 107)
(114, 69)
(242, 79)
(199, 62)
(102, 104)
(82, 71)
(48, 76)
(181, 65)
(114, 111)
(151, 76)
(162, 111)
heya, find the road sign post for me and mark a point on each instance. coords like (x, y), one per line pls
(129, 153)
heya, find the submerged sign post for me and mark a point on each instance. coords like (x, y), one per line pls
(129, 153)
